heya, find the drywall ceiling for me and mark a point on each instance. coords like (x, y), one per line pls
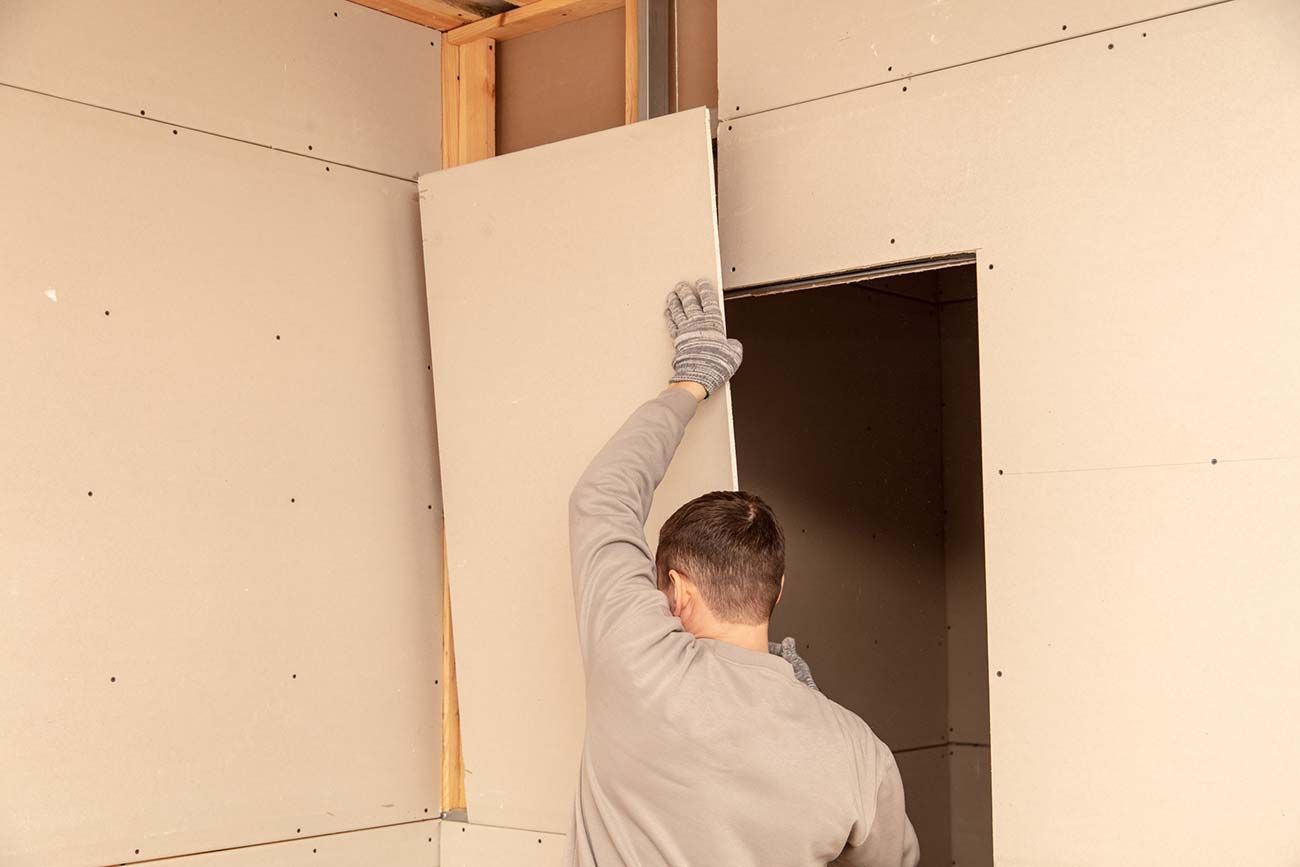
(544, 341)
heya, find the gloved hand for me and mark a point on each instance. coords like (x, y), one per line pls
(786, 650)
(704, 354)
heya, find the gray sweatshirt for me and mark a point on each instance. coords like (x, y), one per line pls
(700, 753)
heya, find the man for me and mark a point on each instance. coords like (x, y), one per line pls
(702, 749)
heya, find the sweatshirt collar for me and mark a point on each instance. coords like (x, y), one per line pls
(745, 656)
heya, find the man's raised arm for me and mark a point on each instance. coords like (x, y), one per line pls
(613, 569)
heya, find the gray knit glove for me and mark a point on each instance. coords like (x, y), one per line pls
(786, 650)
(704, 354)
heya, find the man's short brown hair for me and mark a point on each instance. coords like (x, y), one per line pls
(729, 544)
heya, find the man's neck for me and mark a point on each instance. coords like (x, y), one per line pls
(741, 635)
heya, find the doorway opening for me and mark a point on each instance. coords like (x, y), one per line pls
(857, 417)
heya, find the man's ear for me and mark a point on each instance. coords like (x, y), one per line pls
(676, 593)
(780, 592)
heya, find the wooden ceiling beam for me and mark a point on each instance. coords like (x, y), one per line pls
(535, 16)
(441, 14)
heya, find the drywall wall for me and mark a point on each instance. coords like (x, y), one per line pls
(560, 83)
(696, 42)
(1131, 196)
(963, 526)
(568, 81)
(220, 552)
(776, 53)
(966, 640)
(544, 340)
(857, 485)
(467, 845)
(331, 80)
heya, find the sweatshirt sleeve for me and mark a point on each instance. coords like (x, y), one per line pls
(614, 584)
(884, 836)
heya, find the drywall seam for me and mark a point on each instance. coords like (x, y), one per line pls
(432, 824)
(164, 122)
(331, 80)
(737, 115)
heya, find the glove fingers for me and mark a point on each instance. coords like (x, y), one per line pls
(673, 309)
(690, 301)
(708, 298)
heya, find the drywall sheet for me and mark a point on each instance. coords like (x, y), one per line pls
(857, 485)
(1145, 619)
(547, 275)
(1107, 282)
(926, 792)
(972, 819)
(413, 844)
(331, 80)
(695, 28)
(560, 83)
(774, 53)
(220, 552)
(465, 845)
(963, 515)
(1137, 309)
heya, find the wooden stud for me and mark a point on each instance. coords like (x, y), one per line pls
(453, 759)
(478, 100)
(450, 105)
(631, 61)
(540, 15)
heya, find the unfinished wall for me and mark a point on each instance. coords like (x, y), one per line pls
(1131, 197)
(219, 555)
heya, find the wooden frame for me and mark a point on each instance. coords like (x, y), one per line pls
(469, 69)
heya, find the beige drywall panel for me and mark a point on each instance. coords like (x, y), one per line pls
(696, 52)
(1142, 635)
(774, 53)
(856, 484)
(465, 845)
(560, 83)
(219, 556)
(547, 328)
(331, 80)
(414, 844)
(1137, 203)
(963, 516)
(972, 820)
(1108, 336)
(926, 793)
